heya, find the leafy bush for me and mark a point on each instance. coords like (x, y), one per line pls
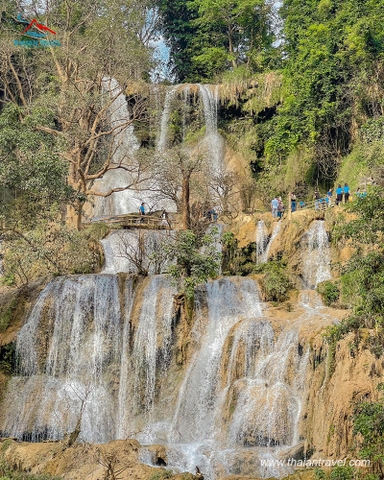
(51, 249)
(274, 283)
(8, 358)
(342, 473)
(161, 475)
(369, 424)
(196, 260)
(329, 292)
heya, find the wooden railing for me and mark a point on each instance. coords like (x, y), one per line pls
(130, 220)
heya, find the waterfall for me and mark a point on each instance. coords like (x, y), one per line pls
(170, 95)
(228, 301)
(103, 349)
(316, 255)
(275, 232)
(261, 241)
(66, 347)
(213, 140)
(125, 143)
(135, 180)
(146, 352)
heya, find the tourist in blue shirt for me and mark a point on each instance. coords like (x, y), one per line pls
(339, 194)
(274, 206)
(346, 193)
(142, 211)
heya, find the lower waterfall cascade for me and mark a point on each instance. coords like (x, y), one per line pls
(103, 351)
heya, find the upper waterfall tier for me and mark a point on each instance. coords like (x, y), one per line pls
(185, 109)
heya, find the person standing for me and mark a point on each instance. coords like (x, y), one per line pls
(339, 195)
(274, 206)
(142, 211)
(329, 197)
(280, 208)
(346, 193)
(293, 202)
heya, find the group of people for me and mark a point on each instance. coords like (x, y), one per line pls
(342, 196)
(277, 207)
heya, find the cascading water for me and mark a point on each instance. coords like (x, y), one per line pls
(316, 255)
(213, 139)
(66, 348)
(264, 257)
(102, 350)
(228, 301)
(136, 183)
(162, 142)
(262, 240)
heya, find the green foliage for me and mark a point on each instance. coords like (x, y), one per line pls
(368, 227)
(368, 424)
(333, 50)
(320, 474)
(329, 292)
(207, 38)
(51, 249)
(342, 473)
(32, 174)
(197, 259)
(8, 358)
(161, 475)
(362, 279)
(6, 314)
(274, 283)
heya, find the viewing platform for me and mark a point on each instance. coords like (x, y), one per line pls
(150, 221)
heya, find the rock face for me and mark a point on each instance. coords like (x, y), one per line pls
(80, 462)
(336, 384)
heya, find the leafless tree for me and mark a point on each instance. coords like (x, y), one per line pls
(144, 250)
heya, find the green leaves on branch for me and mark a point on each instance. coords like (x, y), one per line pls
(362, 279)
(207, 37)
(32, 173)
(368, 428)
(197, 259)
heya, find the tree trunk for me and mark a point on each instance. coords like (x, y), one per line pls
(186, 208)
(74, 215)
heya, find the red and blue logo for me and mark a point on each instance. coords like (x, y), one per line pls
(36, 33)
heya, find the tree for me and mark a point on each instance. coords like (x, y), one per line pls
(233, 32)
(179, 33)
(208, 37)
(197, 259)
(32, 174)
(333, 74)
(71, 81)
(174, 170)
